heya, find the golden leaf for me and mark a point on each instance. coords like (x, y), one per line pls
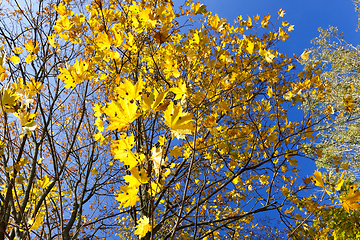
(317, 179)
(38, 221)
(179, 122)
(143, 227)
(281, 12)
(305, 55)
(351, 201)
(15, 59)
(128, 197)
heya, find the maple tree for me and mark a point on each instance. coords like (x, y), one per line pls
(136, 119)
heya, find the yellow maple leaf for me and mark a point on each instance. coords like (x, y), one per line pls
(179, 122)
(143, 227)
(281, 12)
(15, 59)
(103, 41)
(18, 50)
(250, 47)
(51, 41)
(130, 91)
(198, 8)
(122, 149)
(153, 100)
(305, 55)
(269, 91)
(180, 90)
(216, 23)
(265, 21)
(44, 182)
(75, 74)
(162, 140)
(38, 221)
(31, 48)
(339, 183)
(121, 113)
(263, 179)
(317, 179)
(30, 58)
(136, 178)
(128, 197)
(8, 99)
(147, 17)
(351, 201)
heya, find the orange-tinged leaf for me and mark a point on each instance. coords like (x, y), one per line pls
(176, 152)
(94, 171)
(307, 180)
(293, 162)
(161, 37)
(281, 12)
(31, 48)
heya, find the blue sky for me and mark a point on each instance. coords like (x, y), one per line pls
(306, 15)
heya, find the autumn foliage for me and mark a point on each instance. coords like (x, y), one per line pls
(144, 120)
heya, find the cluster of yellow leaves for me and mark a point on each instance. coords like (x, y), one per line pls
(75, 74)
(166, 76)
(17, 100)
(132, 102)
(350, 200)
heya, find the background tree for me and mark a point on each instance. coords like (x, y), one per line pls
(182, 115)
(337, 146)
(338, 136)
